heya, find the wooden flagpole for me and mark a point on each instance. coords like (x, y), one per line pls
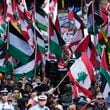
(61, 81)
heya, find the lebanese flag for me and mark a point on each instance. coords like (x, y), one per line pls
(82, 74)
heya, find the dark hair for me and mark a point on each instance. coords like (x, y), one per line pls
(39, 2)
(16, 88)
(109, 93)
(89, 106)
(29, 84)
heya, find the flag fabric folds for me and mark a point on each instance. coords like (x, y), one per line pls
(18, 47)
(55, 40)
(82, 72)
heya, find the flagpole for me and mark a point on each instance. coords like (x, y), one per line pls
(82, 8)
(93, 22)
(12, 64)
(48, 47)
(61, 81)
(8, 36)
(35, 41)
(48, 39)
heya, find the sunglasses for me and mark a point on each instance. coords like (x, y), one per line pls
(41, 99)
(4, 94)
(100, 98)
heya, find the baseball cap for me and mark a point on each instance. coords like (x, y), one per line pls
(82, 102)
(4, 91)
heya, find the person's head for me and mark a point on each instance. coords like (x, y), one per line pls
(4, 94)
(4, 98)
(16, 92)
(72, 107)
(8, 77)
(80, 102)
(11, 84)
(42, 100)
(100, 99)
(33, 94)
(19, 84)
(10, 98)
(28, 87)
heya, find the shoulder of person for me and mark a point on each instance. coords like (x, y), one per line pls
(46, 108)
(34, 107)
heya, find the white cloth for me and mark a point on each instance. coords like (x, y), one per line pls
(6, 106)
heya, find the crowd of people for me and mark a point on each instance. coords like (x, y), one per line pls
(26, 94)
(49, 93)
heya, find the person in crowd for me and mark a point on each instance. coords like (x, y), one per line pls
(6, 101)
(33, 99)
(66, 55)
(41, 105)
(99, 102)
(89, 107)
(107, 100)
(16, 99)
(67, 96)
(26, 95)
(50, 101)
(57, 105)
(81, 103)
(72, 107)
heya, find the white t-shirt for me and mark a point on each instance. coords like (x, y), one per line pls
(6, 106)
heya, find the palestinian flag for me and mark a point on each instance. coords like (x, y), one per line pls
(92, 28)
(104, 73)
(40, 41)
(57, 25)
(94, 18)
(18, 46)
(71, 18)
(93, 55)
(81, 73)
(55, 41)
(29, 68)
(83, 44)
(41, 21)
(78, 23)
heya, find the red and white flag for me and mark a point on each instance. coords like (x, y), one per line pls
(82, 74)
